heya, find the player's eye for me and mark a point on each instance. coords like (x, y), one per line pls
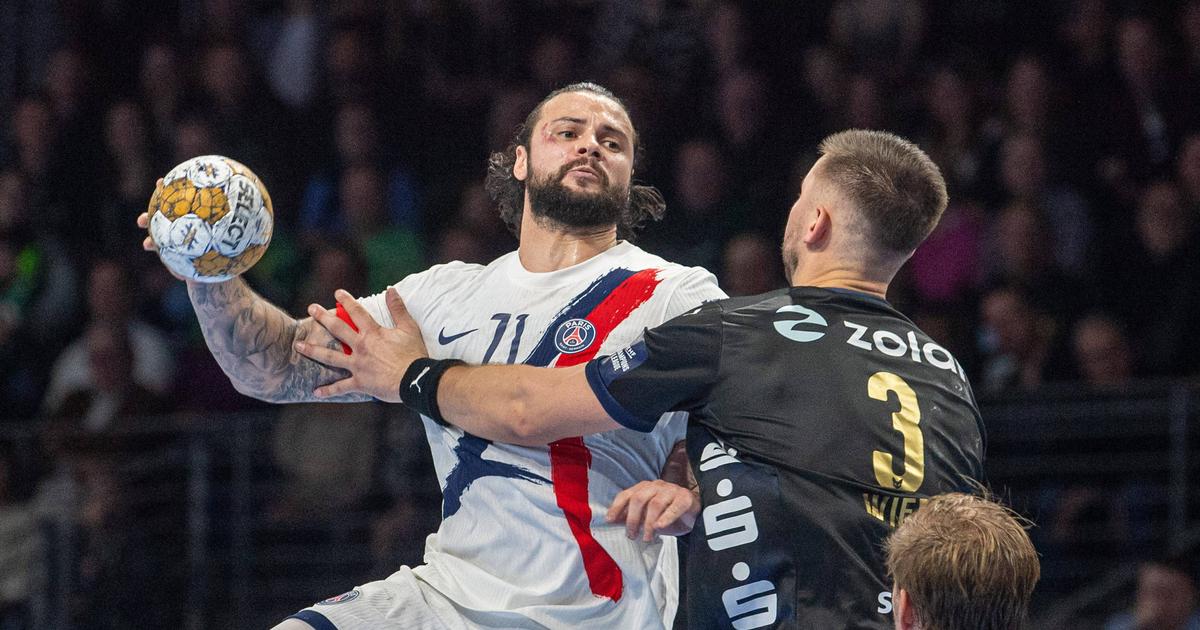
(568, 134)
(613, 145)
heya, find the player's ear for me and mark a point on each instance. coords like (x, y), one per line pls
(521, 164)
(816, 225)
(902, 610)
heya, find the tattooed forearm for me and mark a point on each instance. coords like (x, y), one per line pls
(252, 340)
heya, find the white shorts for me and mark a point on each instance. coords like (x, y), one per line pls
(400, 601)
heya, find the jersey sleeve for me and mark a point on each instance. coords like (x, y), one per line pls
(697, 286)
(420, 292)
(673, 368)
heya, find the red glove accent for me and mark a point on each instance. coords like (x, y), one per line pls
(344, 316)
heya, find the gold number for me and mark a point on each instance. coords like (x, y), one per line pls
(907, 422)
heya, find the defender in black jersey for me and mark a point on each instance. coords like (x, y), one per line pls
(821, 417)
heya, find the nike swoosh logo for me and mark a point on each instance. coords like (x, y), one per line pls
(444, 339)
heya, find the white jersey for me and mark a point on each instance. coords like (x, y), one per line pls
(523, 540)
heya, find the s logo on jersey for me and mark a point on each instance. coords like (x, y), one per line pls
(574, 335)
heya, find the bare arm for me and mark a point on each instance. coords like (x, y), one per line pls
(254, 343)
(518, 404)
(521, 404)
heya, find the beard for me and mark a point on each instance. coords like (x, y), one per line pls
(551, 200)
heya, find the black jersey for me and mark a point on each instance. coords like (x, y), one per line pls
(820, 419)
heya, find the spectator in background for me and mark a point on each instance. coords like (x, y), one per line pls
(507, 112)
(1019, 340)
(1028, 101)
(130, 170)
(358, 139)
(72, 95)
(946, 269)
(1026, 177)
(878, 36)
(38, 299)
(292, 58)
(1187, 172)
(952, 136)
(128, 570)
(160, 87)
(553, 60)
(1189, 28)
(1149, 112)
(1022, 252)
(150, 364)
(1156, 286)
(34, 151)
(725, 36)
(23, 552)
(823, 91)
(1167, 598)
(865, 107)
(112, 399)
(702, 216)
(750, 265)
(248, 123)
(483, 224)
(749, 145)
(1102, 351)
(391, 252)
(1087, 72)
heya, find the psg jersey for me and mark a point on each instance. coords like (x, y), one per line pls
(523, 540)
(820, 419)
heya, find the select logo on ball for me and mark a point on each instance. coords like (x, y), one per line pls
(211, 220)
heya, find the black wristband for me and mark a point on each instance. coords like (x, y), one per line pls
(418, 388)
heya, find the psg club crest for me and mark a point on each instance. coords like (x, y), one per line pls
(340, 599)
(574, 335)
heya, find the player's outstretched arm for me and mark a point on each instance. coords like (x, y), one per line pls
(508, 403)
(521, 404)
(253, 340)
(254, 343)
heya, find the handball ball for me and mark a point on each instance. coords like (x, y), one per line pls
(211, 219)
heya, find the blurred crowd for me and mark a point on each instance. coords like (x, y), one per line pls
(1068, 131)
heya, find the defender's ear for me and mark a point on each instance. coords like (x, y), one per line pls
(521, 164)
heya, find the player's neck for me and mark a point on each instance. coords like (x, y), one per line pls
(840, 279)
(833, 269)
(545, 249)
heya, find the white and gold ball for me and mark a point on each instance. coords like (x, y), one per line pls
(211, 220)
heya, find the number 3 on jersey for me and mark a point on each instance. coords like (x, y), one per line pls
(907, 421)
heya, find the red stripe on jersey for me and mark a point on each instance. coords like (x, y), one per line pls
(615, 309)
(345, 316)
(570, 458)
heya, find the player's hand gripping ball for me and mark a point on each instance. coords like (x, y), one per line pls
(211, 219)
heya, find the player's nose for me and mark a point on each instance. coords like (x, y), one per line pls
(588, 144)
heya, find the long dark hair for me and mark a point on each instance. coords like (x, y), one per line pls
(645, 202)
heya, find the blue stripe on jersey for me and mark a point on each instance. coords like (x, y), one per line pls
(469, 450)
(471, 466)
(314, 619)
(579, 307)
